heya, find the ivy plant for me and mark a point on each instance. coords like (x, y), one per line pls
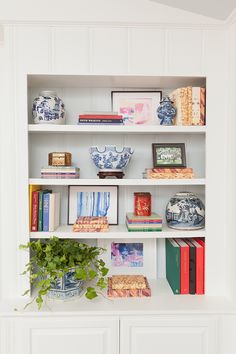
(52, 258)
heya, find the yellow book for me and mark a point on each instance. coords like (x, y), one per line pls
(32, 188)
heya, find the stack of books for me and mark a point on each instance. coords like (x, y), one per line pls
(190, 103)
(91, 224)
(44, 210)
(100, 118)
(168, 173)
(143, 223)
(128, 286)
(60, 172)
(185, 265)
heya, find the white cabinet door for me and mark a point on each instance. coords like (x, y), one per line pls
(168, 335)
(87, 335)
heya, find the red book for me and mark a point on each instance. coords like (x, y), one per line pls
(100, 116)
(199, 267)
(35, 204)
(202, 243)
(184, 266)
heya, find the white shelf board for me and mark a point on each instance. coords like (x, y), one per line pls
(119, 231)
(117, 182)
(117, 81)
(162, 301)
(109, 129)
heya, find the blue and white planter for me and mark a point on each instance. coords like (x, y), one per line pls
(110, 159)
(48, 108)
(185, 211)
(66, 287)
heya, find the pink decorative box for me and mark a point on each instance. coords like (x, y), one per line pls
(128, 292)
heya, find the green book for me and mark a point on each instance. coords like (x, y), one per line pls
(144, 230)
(40, 208)
(173, 265)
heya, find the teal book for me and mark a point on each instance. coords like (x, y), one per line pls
(40, 208)
(173, 265)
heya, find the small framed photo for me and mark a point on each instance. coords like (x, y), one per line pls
(93, 201)
(134, 256)
(137, 107)
(169, 155)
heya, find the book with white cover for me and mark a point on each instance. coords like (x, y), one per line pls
(54, 211)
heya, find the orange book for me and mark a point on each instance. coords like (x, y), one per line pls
(199, 267)
(184, 266)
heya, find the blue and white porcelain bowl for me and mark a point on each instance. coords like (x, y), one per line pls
(185, 211)
(66, 287)
(110, 158)
(48, 108)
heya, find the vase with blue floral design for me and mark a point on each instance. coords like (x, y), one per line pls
(185, 211)
(48, 108)
(166, 112)
(66, 287)
(110, 159)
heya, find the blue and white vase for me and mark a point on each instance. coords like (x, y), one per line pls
(166, 112)
(110, 159)
(48, 108)
(66, 287)
(185, 211)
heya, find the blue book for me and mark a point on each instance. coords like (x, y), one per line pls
(46, 211)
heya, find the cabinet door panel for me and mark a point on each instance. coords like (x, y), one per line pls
(167, 336)
(61, 335)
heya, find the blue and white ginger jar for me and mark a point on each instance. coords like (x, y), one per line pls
(185, 211)
(110, 159)
(66, 287)
(166, 112)
(48, 108)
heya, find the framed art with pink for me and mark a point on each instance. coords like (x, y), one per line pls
(137, 107)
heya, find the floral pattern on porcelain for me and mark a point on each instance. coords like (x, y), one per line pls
(48, 108)
(66, 287)
(110, 158)
(166, 112)
(185, 211)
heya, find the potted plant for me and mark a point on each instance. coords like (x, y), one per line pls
(63, 268)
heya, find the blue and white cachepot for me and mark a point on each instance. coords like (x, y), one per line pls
(48, 108)
(110, 159)
(166, 112)
(66, 287)
(185, 211)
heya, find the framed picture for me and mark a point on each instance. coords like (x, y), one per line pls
(137, 107)
(93, 201)
(134, 256)
(169, 155)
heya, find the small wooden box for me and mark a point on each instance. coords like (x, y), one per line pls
(128, 292)
(59, 159)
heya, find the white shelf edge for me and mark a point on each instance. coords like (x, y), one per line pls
(145, 129)
(119, 232)
(117, 182)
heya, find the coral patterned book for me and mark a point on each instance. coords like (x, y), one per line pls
(169, 173)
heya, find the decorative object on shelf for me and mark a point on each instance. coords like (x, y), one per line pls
(143, 223)
(100, 118)
(134, 256)
(91, 224)
(110, 160)
(55, 263)
(93, 201)
(168, 173)
(128, 286)
(48, 108)
(60, 172)
(168, 155)
(166, 111)
(185, 211)
(59, 159)
(142, 203)
(136, 107)
(190, 103)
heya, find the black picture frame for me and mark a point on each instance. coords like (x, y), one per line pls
(165, 164)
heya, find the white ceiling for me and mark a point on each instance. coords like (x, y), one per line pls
(219, 9)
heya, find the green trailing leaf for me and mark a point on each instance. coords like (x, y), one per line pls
(53, 258)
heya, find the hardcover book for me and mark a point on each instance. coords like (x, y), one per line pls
(192, 268)
(199, 267)
(184, 266)
(173, 265)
